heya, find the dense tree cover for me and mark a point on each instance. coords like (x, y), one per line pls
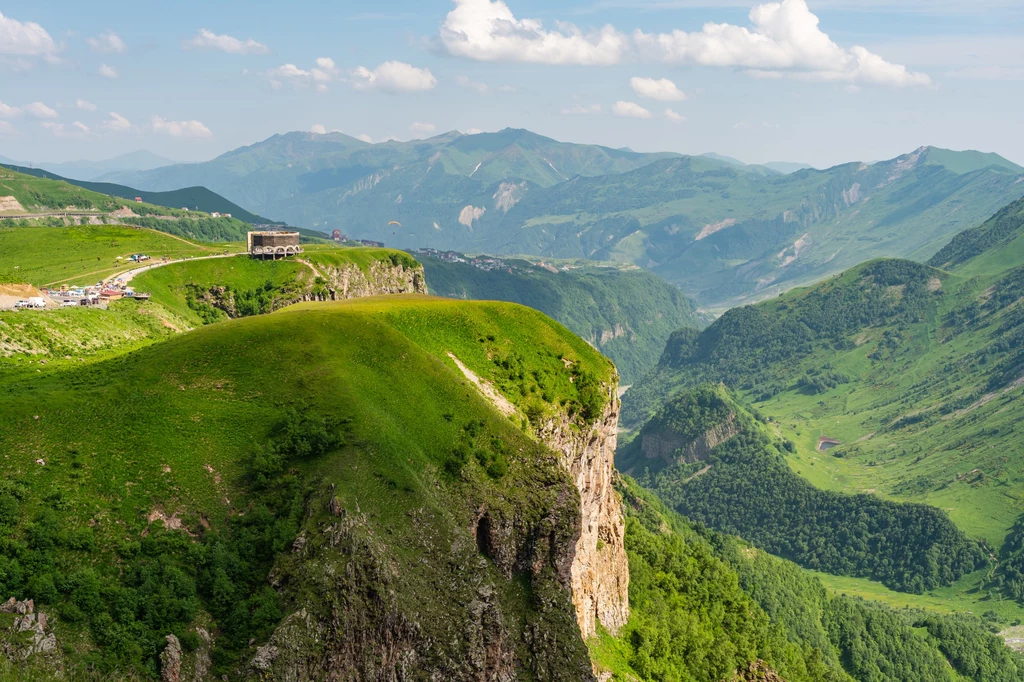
(1000, 229)
(703, 602)
(750, 491)
(200, 229)
(1009, 575)
(691, 620)
(168, 577)
(627, 314)
(753, 347)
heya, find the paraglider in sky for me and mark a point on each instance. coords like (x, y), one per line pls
(394, 222)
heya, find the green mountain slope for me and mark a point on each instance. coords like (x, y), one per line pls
(710, 460)
(627, 313)
(725, 233)
(192, 198)
(32, 200)
(894, 379)
(284, 418)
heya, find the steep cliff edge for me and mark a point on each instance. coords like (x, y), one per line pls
(349, 280)
(600, 569)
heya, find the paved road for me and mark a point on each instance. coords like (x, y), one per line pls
(56, 214)
(129, 275)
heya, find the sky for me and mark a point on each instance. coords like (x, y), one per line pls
(815, 81)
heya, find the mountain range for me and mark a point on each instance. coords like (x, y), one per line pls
(725, 233)
(140, 160)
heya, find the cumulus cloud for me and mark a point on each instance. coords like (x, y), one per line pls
(318, 129)
(661, 89)
(225, 43)
(324, 71)
(108, 71)
(40, 110)
(365, 138)
(473, 131)
(7, 129)
(422, 128)
(581, 110)
(784, 39)
(75, 130)
(7, 111)
(117, 123)
(630, 110)
(393, 77)
(25, 39)
(85, 105)
(107, 42)
(182, 129)
(674, 117)
(486, 30)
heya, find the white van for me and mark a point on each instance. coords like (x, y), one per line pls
(37, 302)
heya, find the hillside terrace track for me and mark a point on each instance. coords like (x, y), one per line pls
(128, 275)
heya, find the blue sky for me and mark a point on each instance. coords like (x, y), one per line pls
(822, 81)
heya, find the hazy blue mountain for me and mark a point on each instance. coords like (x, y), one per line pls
(787, 167)
(724, 233)
(140, 160)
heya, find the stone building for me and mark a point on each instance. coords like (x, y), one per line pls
(273, 244)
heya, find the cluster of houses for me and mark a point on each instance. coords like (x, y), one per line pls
(479, 262)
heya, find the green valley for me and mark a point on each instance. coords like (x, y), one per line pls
(626, 312)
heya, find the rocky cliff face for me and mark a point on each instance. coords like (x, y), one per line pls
(349, 281)
(672, 447)
(600, 569)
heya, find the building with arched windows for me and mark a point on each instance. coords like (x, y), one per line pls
(273, 244)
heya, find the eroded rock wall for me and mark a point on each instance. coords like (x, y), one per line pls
(349, 281)
(600, 569)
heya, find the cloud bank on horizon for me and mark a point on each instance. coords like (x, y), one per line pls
(785, 40)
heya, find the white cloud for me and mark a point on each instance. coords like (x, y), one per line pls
(581, 110)
(40, 110)
(225, 43)
(85, 105)
(117, 122)
(422, 128)
(662, 89)
(630, 110)
(784, 38)
(289, 71)
(76, 129)
(108, 71)
(107, 42)
(365, 138)
(674, 117)
(394, 77)
(325, 70)
(473, 131)
(318, 129)
(486, 30)
(183, 129)
(7, 129)
(7, 111)
(318, 76)
(25, 39)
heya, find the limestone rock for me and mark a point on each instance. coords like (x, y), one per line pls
(170, 660)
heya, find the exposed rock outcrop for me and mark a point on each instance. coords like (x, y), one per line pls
(600, 569)
(349, 281)
(27, 636)
(672, 447)
(439, 609)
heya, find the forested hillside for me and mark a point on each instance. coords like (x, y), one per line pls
(626, 312)
(893, 381)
